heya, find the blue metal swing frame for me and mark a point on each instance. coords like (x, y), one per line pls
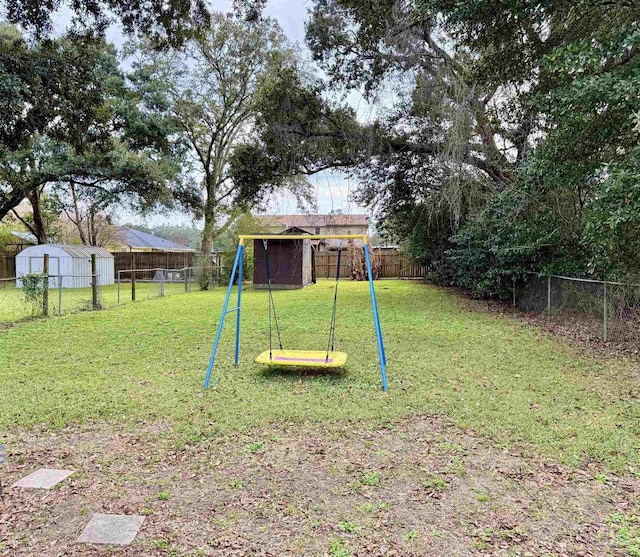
(237, 271)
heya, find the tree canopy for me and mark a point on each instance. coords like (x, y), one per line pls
(514, 129)
(85, 145)
(212, 93)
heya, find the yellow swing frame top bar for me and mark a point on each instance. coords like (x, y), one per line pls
(245, 237)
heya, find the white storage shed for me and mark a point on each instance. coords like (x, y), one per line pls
(71, 264)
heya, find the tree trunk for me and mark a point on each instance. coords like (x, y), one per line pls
(39, 227)
(76, 211)
(208, 233)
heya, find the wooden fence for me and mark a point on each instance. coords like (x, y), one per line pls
(391, 264)
(7, 264)
(125, 260)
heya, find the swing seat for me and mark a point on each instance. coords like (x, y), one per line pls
(302, 358)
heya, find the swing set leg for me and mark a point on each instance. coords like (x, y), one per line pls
(376, 320)
(237, 268)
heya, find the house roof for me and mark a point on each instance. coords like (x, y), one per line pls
(136, 239)
(302, 221)
(26, 237)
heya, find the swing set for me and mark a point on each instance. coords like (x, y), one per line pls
(279, 357)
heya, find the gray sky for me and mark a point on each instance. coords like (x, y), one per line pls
(332, 189)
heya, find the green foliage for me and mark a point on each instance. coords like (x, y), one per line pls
(349, 527)
(166, 21)
(515, 233)
(209, 90)
(338, 548)
(6, 237)
(514, 146)
(80, 136)
(33, 288)
(626, 532)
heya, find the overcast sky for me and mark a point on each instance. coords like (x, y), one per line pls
(331, 189)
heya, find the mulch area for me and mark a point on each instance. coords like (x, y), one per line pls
(414, 487)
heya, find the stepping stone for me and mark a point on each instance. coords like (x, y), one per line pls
(45, 478)
(117, 529)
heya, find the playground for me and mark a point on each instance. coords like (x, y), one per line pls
(494, 438)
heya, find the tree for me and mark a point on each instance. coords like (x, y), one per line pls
(172, 20)
(210, 91)
(523, 103)
(93, 146)
(298, 134)
(163, 21)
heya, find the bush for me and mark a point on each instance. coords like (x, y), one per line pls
(33, 288)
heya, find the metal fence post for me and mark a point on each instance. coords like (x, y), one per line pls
(118, 287)
(513, 300)
(162, 271)
(186, 279)
(59, 294)
(606, 325)
(94, 282)
(45, 285)
(549, 295)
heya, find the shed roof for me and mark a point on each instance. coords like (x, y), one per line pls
(137, 239)
(73, 251)
(86, 251)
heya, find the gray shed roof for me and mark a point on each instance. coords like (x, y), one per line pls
(86, 251)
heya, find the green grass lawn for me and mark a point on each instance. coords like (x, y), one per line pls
(146, 362)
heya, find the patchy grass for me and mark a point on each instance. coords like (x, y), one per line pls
(145, 362)
(626, 532)
(295, 499)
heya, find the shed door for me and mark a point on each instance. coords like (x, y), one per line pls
(36, 265)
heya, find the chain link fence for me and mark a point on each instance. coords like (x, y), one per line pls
(147, 284)
(40, 295)
(601, 309)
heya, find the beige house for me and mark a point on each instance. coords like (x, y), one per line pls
(319, 224)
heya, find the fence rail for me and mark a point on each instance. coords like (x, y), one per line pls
(604, 310)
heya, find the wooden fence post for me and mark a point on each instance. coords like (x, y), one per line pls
(133, 276)
(45, 285)
(94, 282)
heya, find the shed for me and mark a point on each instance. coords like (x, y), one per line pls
(291, 262)
(72, 264)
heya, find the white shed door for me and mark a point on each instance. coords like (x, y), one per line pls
(36, 265)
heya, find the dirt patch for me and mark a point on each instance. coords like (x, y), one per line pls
(415, 487)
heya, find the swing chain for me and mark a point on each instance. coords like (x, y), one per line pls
(271, 303)
(332, 330)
